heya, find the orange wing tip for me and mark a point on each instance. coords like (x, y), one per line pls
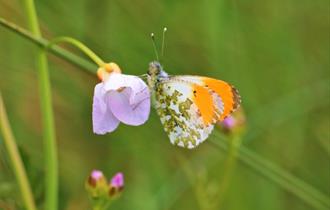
(233, 104)
(228, 93)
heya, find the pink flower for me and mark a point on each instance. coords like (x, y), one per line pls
(95, 178)
(100, 191)
(116, 185)
(117, 180)
(234, 123)
(96, 174)
(119, 98)
(229, 122)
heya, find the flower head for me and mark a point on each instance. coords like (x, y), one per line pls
(95, 177)
(117, 180)
(102, 193)
(116, 184)
(119, 98)
(229, 122)
(235, 123)
(104, 72)
(96, 183)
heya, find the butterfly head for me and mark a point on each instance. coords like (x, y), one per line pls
(155, 73)
(154, 68)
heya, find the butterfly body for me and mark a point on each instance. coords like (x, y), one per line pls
(189, 106)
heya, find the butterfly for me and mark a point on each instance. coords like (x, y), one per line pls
(189, 106)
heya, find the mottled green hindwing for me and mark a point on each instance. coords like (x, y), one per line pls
(179, 115)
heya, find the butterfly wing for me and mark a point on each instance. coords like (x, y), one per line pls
(228, 93)
(187, 110)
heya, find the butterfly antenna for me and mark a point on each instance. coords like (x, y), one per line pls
(163, 42)
(154, 44)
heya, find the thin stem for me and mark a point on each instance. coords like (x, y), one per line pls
(80, 46)
(229, 166)
(96, 208)
(43, 43)
(15, 159)
(50, 147)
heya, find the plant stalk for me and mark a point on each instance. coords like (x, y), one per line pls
(229, 167)
(43, 43)
(80, 46)
(15, 159)
(50, 147)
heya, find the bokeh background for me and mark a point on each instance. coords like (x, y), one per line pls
(276, 52)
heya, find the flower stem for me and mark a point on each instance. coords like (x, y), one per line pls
(58, 51)
(230, 163)
(15, 159)
(50, 147)
(80, 46)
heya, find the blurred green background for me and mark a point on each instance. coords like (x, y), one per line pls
(276, 52)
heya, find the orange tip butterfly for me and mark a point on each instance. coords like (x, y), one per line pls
(189, 106)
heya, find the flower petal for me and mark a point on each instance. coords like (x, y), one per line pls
(117, 81)
(103, 120)
(128, 113)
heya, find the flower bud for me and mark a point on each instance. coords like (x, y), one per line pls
(233, 124)
(116, 185)
(100, 192)
(112, 67)
(104, 71)
(96, 184)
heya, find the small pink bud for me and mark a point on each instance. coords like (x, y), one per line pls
(96, 184)
(234, 123)
(95, 177)
(116, 184)
(118, 180)
(229, 122)
(100, 191)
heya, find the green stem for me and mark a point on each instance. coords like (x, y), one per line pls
(96, 208)
(43, 43)
(229, 166)
(50, 147)
(80, 46)
(15, 159)
(103, 205)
